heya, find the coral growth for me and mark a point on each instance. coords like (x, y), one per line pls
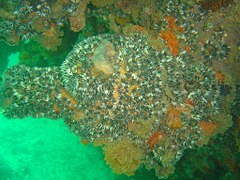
(220, 77)
(41, 20)
(123, 156)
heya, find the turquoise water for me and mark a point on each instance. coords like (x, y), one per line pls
(42, 148)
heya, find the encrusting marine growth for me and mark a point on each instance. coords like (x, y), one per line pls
(140, 105)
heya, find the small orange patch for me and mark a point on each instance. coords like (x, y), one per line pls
(188, 49)
(220, 77)
(171, 40)
(172, 24)
(207, 127)
(189, 106)
(189, 102)
(169, 35)
(84, 141)
(155, 139)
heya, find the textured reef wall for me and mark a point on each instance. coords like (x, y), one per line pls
(40, 20)
(119, 93)
(162, 82)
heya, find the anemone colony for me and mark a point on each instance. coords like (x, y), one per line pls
(118, 90)
(40, 20)
(142, 105)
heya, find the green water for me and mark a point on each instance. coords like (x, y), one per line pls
(42, 148)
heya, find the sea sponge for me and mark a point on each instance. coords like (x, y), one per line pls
(123, 156)
(102, 55)
(173, 117)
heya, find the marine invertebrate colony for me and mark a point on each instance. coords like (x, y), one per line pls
(118, 91)
(40, 20)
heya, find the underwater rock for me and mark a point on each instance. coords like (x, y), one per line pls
(109, 87)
